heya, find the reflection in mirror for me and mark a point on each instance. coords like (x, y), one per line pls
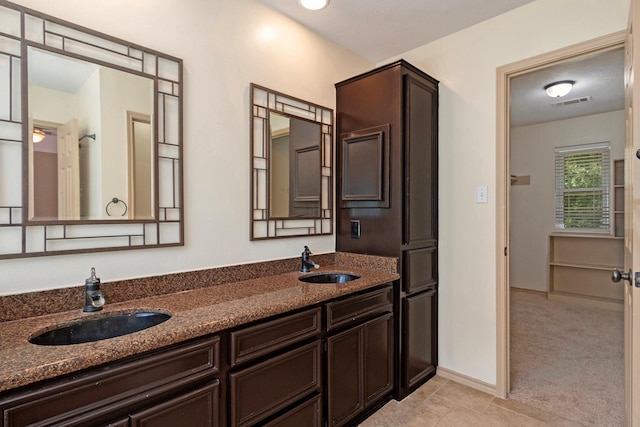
(90, 140)
(97, 139)
(291, 151)
(294, 168)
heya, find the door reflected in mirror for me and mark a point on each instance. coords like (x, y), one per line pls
(92, 140)
(294, 170)
(291, 166)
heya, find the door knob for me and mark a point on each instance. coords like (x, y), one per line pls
(617, 275)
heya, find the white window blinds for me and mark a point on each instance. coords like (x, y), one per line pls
(582, 199)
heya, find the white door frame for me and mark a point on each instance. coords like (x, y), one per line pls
(504, 75)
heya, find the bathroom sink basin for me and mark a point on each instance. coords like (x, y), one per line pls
(100, 328)
(329, 278)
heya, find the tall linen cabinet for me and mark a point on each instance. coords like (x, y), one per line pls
(387, 199)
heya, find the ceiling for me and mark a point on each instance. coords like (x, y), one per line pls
(599, 87)
(381, 29)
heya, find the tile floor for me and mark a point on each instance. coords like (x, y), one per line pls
(445, 403)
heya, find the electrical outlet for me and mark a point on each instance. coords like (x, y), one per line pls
(482, 195)
(355, 229)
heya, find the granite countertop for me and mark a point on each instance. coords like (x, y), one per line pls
(195, 313)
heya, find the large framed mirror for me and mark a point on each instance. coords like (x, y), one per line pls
(291, 161)
(90, 140)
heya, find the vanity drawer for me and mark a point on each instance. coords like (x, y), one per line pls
(110, 390)
(254, 341)
(356, 308)
(307, 414)
(262, 390)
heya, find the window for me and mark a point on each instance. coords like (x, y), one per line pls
(582, 188)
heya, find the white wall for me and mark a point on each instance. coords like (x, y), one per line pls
(119, 93)
(223, 50)
(466, 63)
(532, 206)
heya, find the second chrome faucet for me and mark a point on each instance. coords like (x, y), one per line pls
(306, 262)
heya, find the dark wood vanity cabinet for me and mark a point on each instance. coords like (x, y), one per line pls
(329, 363)
(387, 197)
(359, 354)
(174, 386)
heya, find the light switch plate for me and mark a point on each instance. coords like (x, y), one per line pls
(482, 195)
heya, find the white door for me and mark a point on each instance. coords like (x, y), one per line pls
(68, 171)
(632, 218)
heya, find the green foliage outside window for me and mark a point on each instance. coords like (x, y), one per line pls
(583, 194)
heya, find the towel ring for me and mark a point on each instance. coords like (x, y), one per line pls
(115, 201)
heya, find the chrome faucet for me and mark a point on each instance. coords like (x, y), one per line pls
(306, 262)
(93, 296)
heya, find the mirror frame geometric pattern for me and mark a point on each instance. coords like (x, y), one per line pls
(262, 227)
(20, 28)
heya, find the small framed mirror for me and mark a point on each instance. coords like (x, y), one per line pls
(90, 140)
(291, 162)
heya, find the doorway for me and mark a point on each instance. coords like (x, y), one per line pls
(566, 236)
(504, 76)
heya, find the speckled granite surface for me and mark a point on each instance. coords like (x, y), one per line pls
(207, 308)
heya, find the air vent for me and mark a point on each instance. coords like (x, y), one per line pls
(571, 102)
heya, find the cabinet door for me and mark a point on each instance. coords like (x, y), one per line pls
(421, 160)
(345, 380)
(198, 408)
(360, 368)
(420, 352)
(378, 358)
(420, 269)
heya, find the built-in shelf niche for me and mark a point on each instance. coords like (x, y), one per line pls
(618, 198)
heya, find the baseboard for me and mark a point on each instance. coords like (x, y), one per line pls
(528, 291)
(466, 380)
(587, 301)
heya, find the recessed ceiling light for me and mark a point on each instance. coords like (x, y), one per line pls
(314, 4)
(559, 89)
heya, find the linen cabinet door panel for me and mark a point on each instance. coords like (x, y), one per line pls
(420, 157)
(198, 408)
(420, 342)
(420, 269)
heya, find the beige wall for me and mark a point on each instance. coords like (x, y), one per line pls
(532, 206)
(223, 50)
(466, 63)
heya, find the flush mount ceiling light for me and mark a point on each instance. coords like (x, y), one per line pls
(559, 89)
(314, 4)
(38, 135)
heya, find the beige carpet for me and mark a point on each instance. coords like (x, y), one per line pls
(567, 359)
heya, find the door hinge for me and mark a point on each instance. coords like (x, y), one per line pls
(505, 251)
